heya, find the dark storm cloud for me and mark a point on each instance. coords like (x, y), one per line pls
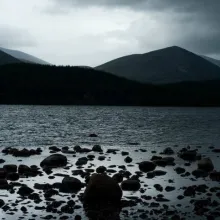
(199, 18)
(13, 37)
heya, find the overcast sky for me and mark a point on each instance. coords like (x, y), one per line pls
(91, 32)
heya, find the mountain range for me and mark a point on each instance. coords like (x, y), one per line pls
(168, 65)
(19, 57)
(25, 83)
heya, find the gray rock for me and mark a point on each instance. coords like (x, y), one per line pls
(168, 151)
(147, 166)
(130, 185)
(101, 169)
(205, 164)
(199, 173)
(10, 168)
(102, 188)
(55, 160)
(70, 184)
(128, 159)
(97, 148)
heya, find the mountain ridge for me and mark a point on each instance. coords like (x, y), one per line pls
(168, 65)
(23, 57)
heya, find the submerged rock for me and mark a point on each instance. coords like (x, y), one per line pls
(130, 185)
(215, 176)
(25, 191)
(10, 168)
(147, 166)
(199, 173)
(118, 177)
(101, 169)
(70, 184)
(168, 151)
(128, 159)
(55, 160)
(205, 164)
(97, 148)
(4, 184)
(102, 189)
(189, 155)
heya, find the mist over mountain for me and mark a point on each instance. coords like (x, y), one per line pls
(23, 57)
(168, 65)
(216, 62)
(7, 59)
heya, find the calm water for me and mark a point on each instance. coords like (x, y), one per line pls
(30, 126)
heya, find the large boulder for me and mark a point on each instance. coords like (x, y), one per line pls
(97, 148)
(189, 155)
(9, 168)
(205, 164)
(54, 160)
(199, 173)
(102, 188)
(147, 166)
(130, 185)
(70, 184)
(25, 191)
(168, 151)
(4, 184)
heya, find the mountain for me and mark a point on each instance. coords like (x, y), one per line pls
(7, 59)
(24, 57)
(24, 83)
(169, 65)
(216, 62)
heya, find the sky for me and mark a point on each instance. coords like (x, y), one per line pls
(92, 32)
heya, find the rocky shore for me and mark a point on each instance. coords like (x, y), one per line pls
(102, 183)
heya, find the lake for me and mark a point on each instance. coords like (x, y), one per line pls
(124, 128)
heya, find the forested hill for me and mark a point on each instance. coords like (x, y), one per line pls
(40, 84)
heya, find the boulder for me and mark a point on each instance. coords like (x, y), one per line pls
(70, 184)
(82, 161)
(55, 160)
(4, 184)
(130, 185)
(97, 148)
(10, 168)
(13, 176)
(54, 148)
(128, 159)
(2, 161)
(93, 135)
(189, 155)
(25, 191)
(199, 173)
(77, 148)
(147, 166)
(117, 177)
(215, 176)
(2, 173)
(102, 188)
(205, 164)
(101, 169)
(101, 158)
(24, 169)
(124, 153)
(168, 151)
(180, 170)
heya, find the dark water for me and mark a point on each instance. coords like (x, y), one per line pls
(116, 127)
(29, 126)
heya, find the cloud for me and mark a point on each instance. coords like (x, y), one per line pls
(193, 24)
(11, 37)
